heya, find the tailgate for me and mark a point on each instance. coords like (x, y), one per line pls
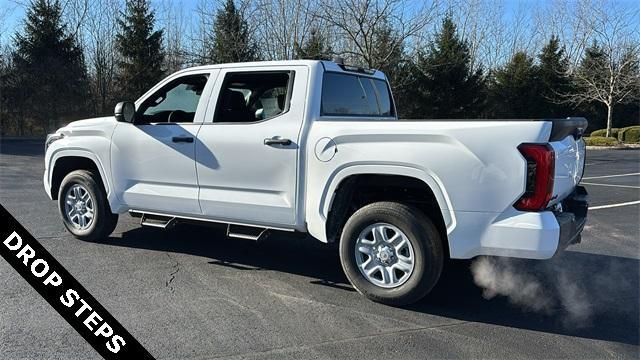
(570, 150)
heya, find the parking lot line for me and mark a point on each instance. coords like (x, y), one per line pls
(622, 186)
(609, 176)
(614, 205)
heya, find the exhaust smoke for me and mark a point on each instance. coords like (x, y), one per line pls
(564, 287)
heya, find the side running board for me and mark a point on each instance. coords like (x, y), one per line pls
(248, 232)
(245, 232)
(159, 221)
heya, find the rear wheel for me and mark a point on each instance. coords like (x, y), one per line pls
(391, 253)
(84, 208)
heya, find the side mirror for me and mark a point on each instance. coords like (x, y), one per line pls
(125, 112)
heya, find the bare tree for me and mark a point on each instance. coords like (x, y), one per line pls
(358, 23)
(200, 31)
(173, 21)
(4, 14)
(571, 21)
(470, 16)
(492, 34)
(481, 25)
(75, 13)
(522, 34)
(609, 72)
(493, 48)
(283, 24)
(101, 55)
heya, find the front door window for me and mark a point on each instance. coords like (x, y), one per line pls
(175, 102)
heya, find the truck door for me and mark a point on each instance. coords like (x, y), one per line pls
(153, 160)
(248, 149)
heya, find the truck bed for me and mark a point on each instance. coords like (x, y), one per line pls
(561, 128)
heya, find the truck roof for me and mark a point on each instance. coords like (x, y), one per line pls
(326, 65)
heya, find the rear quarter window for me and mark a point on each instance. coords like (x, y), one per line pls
(353, 95)
(384, 97)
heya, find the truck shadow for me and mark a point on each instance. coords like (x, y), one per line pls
(456, 296)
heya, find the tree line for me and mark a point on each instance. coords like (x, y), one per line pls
(77, 58)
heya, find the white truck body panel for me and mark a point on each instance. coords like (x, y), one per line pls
(469, 165)
(229, 175)
(570, 158)
(150, 171)
(89, 139)
(258, 184)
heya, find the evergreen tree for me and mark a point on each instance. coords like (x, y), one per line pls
(388, 50)
(140, 48)
(514, 89)
(315, 48)
(552, 73)
(447, 86)
(231, 39)
(388, 56)
(48, 78)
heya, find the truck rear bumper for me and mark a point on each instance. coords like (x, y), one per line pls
(513, 233)
(572, 218)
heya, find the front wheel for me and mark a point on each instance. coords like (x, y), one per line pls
(391, 252)
(84, 208)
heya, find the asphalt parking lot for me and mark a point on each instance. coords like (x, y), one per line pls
(192, 293)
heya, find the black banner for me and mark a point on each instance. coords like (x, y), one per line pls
(62, 291)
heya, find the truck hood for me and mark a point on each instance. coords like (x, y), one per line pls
(87, 123)
(102, 126)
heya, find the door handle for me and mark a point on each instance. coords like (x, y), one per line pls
(184, 139)
(277, 141)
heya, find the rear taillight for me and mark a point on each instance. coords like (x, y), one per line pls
(540, 171)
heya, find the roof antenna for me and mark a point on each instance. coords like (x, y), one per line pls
(338, 60)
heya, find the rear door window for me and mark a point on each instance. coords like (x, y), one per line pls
(352, 95)
(253, 96)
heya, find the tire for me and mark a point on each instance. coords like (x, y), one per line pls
(85, 186)
(425, 250)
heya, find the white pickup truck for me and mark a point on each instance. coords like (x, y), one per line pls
(316, 147)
